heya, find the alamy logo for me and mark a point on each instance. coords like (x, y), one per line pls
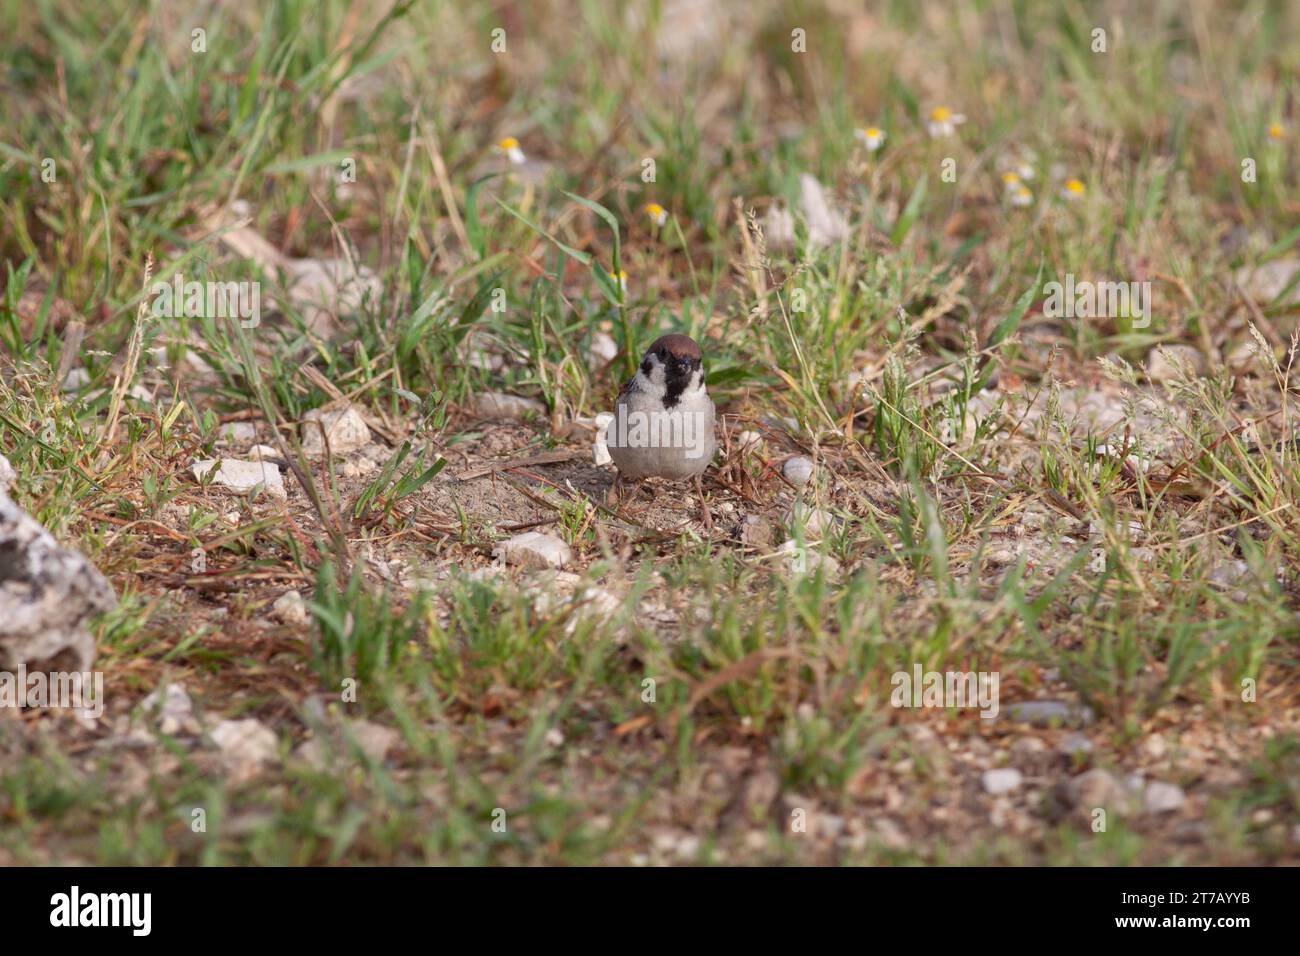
(79, 690)
(1098, 300)
(103, 909)
(179, 299)
(955, 689)
(656, 429)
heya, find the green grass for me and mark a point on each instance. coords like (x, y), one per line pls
(982, 520)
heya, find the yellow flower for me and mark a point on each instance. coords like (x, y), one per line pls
(1275, 131)
(873, 137)
(657, 213)
(621, 278)
(1010, 180)
(943, 122)
(1022, 197)
(509, 147)
(1073, 189)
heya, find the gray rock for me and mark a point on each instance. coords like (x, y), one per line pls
(800, 560)
(374, 740)
(289, 608)
(1046, 713)
(346, 429)
(172, 707)
(1002, 780)
(1163, 798)
(246, 746)
(1100, 788)
(499, 406)
(47, 594)
(326, 289)
(534, 549)
(242, 476)
(814, 521)
(1073, 744)
(755, 532)
(798, 471)
(749, 443)
(239, 433)
(1265, 283)
(603, 350)
(826, 224)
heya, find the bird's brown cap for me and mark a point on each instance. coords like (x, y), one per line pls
(678, 346)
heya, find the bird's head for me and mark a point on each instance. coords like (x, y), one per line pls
(672, 362)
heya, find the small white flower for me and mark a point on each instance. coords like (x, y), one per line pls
(657, 213)
(1022, 197)
(621, 278)
(509, 147)
(943, 122)
(872, 137)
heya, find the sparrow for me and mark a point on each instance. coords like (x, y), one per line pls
(664, 420)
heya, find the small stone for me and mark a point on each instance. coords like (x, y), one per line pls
(1228, 574)
(48, 593)
(374, 741)
(603, 350)
(1099, 789)
(798, 471)
(534, 549)
(827, 225)
(324, 290)
(345, 428)
(749, 443)
(600, 447)
(814, 521)
(688, 847)
(829, 825)
(1073, 744)
(800, 560)
(1265, 283)
(1000, 557)
(76, 379)
(289, 608)
(263, 452)
(246, 746)
(500, 406)
(173, 708)
(755, 532)
(1028, 747)
(238, 433)
(242, 476)
(1163, 798)
(890, 835)
(1001, 780)
(1047, 713)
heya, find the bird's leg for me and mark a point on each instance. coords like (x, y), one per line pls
(704, 508)
(615, 494)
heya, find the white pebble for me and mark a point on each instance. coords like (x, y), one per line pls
(798, 471)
